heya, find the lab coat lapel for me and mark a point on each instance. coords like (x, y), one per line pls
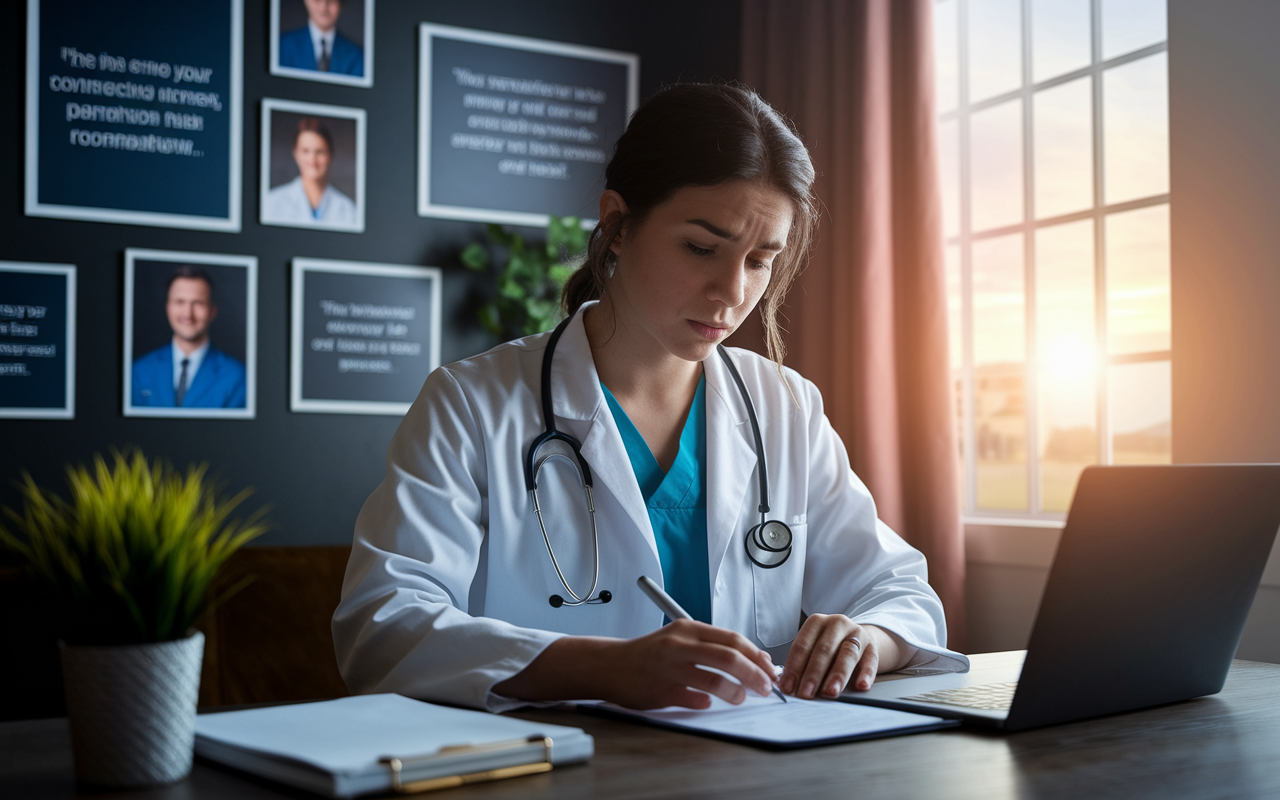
(731, 461)
(581, 410)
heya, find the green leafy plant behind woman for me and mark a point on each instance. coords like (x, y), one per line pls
(529, 284)
(132, 556)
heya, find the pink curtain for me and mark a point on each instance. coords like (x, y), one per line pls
(867, 322)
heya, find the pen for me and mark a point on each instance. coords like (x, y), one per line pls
(672, 609)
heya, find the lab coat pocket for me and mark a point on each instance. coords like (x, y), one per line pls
(777, 594)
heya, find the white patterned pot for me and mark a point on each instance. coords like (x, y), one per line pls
(133, 710)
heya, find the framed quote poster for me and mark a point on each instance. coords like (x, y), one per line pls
(365, 336)
(513, 130)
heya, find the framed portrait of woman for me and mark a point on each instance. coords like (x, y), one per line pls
(312, 166)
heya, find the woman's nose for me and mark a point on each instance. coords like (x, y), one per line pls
(729, 286)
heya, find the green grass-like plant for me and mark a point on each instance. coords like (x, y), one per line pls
(132, 556)
(529, 283)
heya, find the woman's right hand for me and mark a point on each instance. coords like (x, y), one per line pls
(664, 668)
(659, 669)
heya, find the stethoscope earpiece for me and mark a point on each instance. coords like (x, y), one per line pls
(604, 597)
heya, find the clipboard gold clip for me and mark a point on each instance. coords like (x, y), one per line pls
(400, 765)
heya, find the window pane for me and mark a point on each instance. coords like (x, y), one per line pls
(995, 47)
(949, 175)
(1064, 148)
(955, 337)
(1060, 37)
(999, 353)
(1066, 356)
(1136, 129)
(1129, 25)
(1141, 413)
(1138, 316)
(946, 54)
(995, 166)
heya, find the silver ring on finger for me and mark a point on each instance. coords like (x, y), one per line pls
(853, 640)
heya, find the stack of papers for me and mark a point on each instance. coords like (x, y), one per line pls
(769, 722)
(337, 748)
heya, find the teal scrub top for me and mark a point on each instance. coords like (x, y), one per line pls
(677, 503)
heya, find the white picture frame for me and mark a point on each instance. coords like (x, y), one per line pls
(250, 316)
(300, 268)
(364, 81)
(427, 32)
(270, 212)
(34, 207)
(68, 408)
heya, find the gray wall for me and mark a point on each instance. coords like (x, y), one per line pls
(1224, 106)
(1224, 115)
(315, 470)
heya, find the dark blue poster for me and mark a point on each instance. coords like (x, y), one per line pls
(134, 112)
(37, 340)
(365, 336)
(512, 129)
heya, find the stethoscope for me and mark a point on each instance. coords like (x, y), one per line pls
(768, 544)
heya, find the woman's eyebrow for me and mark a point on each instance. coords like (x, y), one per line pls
(732, 237)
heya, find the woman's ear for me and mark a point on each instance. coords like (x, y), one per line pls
(613, 207)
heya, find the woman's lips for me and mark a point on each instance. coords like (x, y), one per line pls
(708, 332)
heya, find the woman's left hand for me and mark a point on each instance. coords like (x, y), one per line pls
(832, 651)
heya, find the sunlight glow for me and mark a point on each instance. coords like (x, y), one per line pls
(1071, 358)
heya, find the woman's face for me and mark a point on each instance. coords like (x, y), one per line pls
(312, 154)
(693, 270)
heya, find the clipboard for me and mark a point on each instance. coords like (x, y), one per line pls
(378, 743)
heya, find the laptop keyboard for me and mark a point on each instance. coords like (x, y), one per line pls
(989, 696)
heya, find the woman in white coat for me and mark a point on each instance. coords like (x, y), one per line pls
(451, 593)
(310, 199)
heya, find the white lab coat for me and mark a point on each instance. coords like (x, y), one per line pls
(446, 592)
(288, 204)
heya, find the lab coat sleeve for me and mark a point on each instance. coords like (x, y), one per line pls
(856, 564)
(403, 623)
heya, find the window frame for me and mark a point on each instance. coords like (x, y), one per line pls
(1034, 516)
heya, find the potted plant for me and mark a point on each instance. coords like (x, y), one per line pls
(529, 283)
(128, 564)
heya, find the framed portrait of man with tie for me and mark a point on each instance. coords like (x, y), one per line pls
(190, 334)
(323, 40)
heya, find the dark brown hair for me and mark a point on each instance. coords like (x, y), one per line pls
(313, 125)
(190, 273)
(700, 134)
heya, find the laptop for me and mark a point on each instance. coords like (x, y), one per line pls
(1153, 579)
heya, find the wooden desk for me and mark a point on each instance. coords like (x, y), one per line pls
(1227, 745)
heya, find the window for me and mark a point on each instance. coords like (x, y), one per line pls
(1054, 162)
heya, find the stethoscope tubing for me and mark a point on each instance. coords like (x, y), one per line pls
(532, 466)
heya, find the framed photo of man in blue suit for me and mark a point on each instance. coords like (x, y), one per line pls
(323, 40)
(190, 334)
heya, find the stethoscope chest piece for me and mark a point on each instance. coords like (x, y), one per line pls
(769, 544)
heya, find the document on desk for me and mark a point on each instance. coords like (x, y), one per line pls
(769, 722)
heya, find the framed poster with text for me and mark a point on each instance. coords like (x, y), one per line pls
(134, 112)
(365, 336)
(512, 130)
(37, 340)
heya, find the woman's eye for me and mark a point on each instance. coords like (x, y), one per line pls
(698, 251)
